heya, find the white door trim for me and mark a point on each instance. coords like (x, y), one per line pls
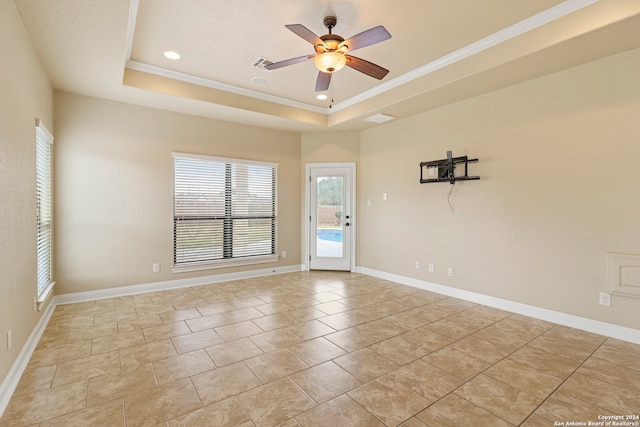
(307, 210)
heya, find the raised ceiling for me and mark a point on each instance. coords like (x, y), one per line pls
(440, 52)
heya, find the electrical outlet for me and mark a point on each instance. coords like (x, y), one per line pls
(450, 271)
(9, 343)
(432, 267)
(284, 254)
(369, 202)
(605, 299)
(384, 196)
(156, 267)
(417, 265)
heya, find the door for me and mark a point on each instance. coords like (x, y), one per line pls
(330, 217)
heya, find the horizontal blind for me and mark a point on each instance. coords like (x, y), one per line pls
(224, 209)
(44, 141)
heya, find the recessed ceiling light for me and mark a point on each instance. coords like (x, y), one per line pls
(322, 97)
(259, 81)
(172, 55)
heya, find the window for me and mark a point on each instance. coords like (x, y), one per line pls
(44, 155)
(224, 212)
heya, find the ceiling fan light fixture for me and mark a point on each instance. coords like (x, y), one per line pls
(330, 62)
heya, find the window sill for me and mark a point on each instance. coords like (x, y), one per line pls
(42, 298)
(224, 264)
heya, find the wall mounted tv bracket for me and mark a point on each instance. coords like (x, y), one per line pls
(445, 169)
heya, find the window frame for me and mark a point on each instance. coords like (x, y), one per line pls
(44, 212)
(227, 260)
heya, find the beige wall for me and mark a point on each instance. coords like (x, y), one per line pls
(559, 165)
(25, 93)
(114, 188)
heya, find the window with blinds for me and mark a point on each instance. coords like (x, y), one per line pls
(224, 211)
(44, 223)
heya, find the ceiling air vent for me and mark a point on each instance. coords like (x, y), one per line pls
(260, 63)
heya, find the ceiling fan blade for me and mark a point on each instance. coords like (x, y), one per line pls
(323, 81)
(367, 38)
(287, 62)
(366, 67)
(305, 33)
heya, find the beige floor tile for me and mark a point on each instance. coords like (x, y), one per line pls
(168, 330)
(506, 340)
(86, 367)
(524, 378)
(619, 355)
(526, 327)
(274, 403)
(143, 321)
(342, 411)
(389, 404)
(117, 342)
(156, 405)
(182, 366)
(141, 354)
(62, 353)
(339, 321)
(380, 341)
(239, 330)
(35, 379)
(481, 349)
(333, 307)
(274, 340)
(94, 331)
(471, 320)
(277, 364)
(118, 384)
(310, 330)
(177, 315)
(216, 308)
(231, 352)
(406, 320)
(569, 343)
(316, 351)
(366, 364)
(422, 378)
(561, 407)
(227, 413)
(500, 399)
(222, 383)
(351, 339)
(629, 379)
(274, 321)
(457, 363)
(207, 322)
(29, 409)
(454, 411)
(196, 341)
(602, 394)
(450, 328)
(544, 361)
(109, 414)
(427, 338)
(399, 350)
(326, 381)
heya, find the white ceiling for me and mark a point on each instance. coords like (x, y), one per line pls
(440, 52)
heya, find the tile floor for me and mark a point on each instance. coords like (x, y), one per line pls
(316, 349)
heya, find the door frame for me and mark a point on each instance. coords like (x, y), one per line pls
(307, 211)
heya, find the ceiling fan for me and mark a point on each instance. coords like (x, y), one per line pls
(331, 52)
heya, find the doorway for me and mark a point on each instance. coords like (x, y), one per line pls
(330, 231)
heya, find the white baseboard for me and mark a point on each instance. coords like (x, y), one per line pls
(12, 379)
(171, 284)
(589, 325)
